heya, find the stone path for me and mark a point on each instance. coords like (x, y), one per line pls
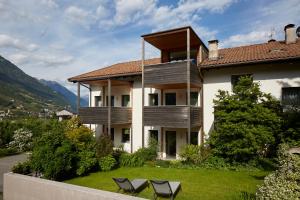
(6, 163)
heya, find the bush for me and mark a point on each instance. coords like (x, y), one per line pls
(81, 136)
(104, 146)
(131, 160)
(107, 163)
(54, 156)
(22, 140)
(87, 162)
(215, 162)
(247, 123)
(162, 163)
(194, 154)
(284, 182)
(22, 168)
(8, 152)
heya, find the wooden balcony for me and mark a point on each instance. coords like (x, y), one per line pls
(99, 115)
(171, 73)
(171, 116)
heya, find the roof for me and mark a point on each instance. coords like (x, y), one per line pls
(271, 51)
(119, 69)
(173, 39)
(64, 113)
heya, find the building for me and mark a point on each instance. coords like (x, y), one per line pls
(64, 114)
(168, 97)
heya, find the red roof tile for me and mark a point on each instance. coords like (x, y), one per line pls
(271, 51)
(119, 69)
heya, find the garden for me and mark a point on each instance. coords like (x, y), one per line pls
(246, 156)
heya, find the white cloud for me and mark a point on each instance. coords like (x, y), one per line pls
(10, 42)
(78, 15)
(50, 3)
(245, 39)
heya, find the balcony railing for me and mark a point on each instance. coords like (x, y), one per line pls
(99, 115)
(171, 73)
(171, 116)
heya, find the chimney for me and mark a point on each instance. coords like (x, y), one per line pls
(213, 50)
(290, 34)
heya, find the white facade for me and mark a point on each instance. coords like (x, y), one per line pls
(272, 79)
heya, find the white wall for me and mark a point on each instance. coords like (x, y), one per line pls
(137, 115)
(21, 187)
(271, 78)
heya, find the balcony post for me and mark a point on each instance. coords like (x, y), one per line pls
(188, 83)
(78, 97)
(143, 91)
(109, 107)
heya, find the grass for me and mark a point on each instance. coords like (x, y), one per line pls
(196, 183)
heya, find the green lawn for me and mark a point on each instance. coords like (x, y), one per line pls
(196, 183)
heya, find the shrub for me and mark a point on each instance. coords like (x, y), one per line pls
(284, 182)
(107, 163)
(194, 154)
(247, 123)
(131, 160)
(22, 168)
(104, 146)
(215, 162)
(81, 136)
(8, 152)
(162, 163)
(54, 156)
(87, 162)
(22, 140)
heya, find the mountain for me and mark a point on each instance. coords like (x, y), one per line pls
(70, 96)
(20, 92)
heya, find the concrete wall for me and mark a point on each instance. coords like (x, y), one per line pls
(272, 79)
(20, 187)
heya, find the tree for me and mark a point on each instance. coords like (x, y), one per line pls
(22, 140)
(247, 122)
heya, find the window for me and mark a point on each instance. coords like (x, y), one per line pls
(194, 98)
(112, 101)
(98, 101)
(291, 96)
(153, 99)
(170, 98)
(194, 138)
(181, 55)
(154, 134)
(125, 101)
(125, 135)
(112, 133)
(235, 79)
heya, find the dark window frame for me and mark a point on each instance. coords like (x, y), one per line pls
(155, 99)
(125, 136)
(166, 98)
(287, 92)
(123, 100)
(153, 132)
(98, 101)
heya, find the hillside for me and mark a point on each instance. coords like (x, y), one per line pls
(22, 93)
(70, 96)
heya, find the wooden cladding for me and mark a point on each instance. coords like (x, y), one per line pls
(196, 116)
(99, 115)
(121, 115)
(171, 116)
(170, 73)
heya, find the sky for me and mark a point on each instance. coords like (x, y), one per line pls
(58, 39)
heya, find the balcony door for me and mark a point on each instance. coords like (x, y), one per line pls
(171, 143)
(170, 99)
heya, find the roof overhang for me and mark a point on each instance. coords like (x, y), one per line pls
(173, 39)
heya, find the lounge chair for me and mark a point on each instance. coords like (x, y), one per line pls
(135, 186)
(165, 188)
